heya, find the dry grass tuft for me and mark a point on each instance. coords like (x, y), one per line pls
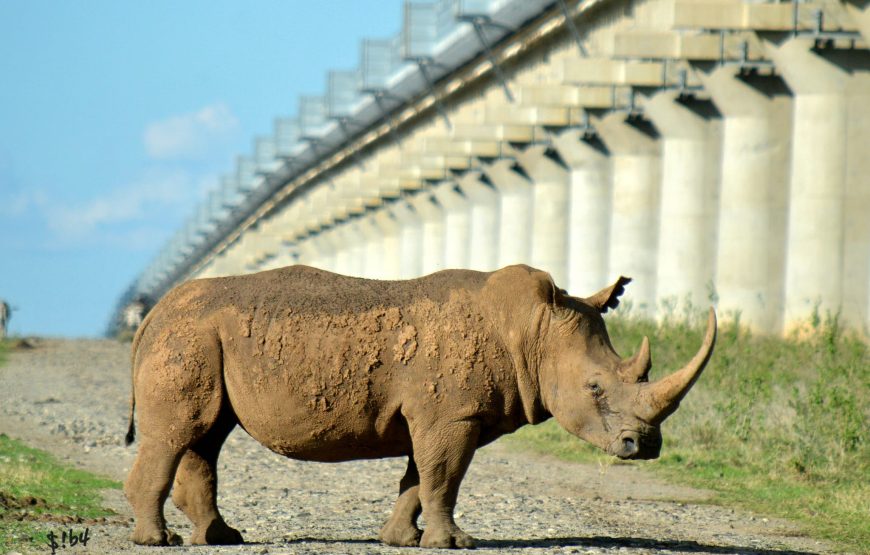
(775, 425)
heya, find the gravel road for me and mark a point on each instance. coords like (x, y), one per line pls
(70, 397)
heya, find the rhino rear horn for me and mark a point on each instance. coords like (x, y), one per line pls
(636, 368)
(661, 398)
(609, 296)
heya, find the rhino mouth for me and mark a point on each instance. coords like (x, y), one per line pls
(633, 445)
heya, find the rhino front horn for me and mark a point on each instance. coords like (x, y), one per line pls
(661, 398)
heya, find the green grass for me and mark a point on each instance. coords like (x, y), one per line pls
(51, 496)
(4, 351)
(779, 426)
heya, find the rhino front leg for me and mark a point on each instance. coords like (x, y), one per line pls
(443, 453)
(401, 530)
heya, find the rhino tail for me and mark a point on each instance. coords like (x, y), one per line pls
(131, 430)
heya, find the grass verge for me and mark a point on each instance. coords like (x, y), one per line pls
(38, 495)
(778, 426)
(4, 351)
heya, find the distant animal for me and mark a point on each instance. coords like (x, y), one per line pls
(133, 314)
(5, 316)
(321, 367)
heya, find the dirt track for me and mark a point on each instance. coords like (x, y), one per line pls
(71, 398)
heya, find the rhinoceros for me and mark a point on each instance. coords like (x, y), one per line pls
(322, 367)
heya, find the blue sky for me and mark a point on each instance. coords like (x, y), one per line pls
(117, 116)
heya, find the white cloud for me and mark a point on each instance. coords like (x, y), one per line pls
(21, 202)
(118, 206)
(127, 215)
(190, 135)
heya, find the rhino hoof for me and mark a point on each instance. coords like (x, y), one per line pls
(217, 533)
(161, 537)
(406, 536)
(445, 539)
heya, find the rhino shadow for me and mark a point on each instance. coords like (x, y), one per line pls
(685, 546)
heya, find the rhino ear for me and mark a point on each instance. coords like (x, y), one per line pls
(546, 289)
(609, 296)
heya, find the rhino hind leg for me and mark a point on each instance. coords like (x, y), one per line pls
(195, 488)
(171, 420)
(147, 487)
(442, 453)
(401, 530)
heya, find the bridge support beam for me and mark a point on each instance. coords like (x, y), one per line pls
(550, 210)
(348, 259)
(457, 224)
(859, 11)
(483, 248)
(515, 216)
(372, 261)
(636, 163)
(410, 239)
(331, 244)
(432, 240)
(756, 135)
(589, 210)
(323, 250)
(390, 244)
(814, 250)
(689, 183)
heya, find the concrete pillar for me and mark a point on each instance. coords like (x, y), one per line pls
(342, 250)
(856, 269)
(689, 199)
(323, 250)
(457, 224)
(286, 224)
(410, 239)
(636, 174)
(484, 199)
(256, 241)
(856, 287)
(753, 203)
(307, 253)
(515, 214)
(859, 11)
(589, 211)
(432, 241)
(550, 209)
(814, 251)
(371, 233)
(391, 247)
(238, 257)
(286, 256)
(360, 249)
(215, 267)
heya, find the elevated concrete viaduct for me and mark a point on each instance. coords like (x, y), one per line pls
(713, 150)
